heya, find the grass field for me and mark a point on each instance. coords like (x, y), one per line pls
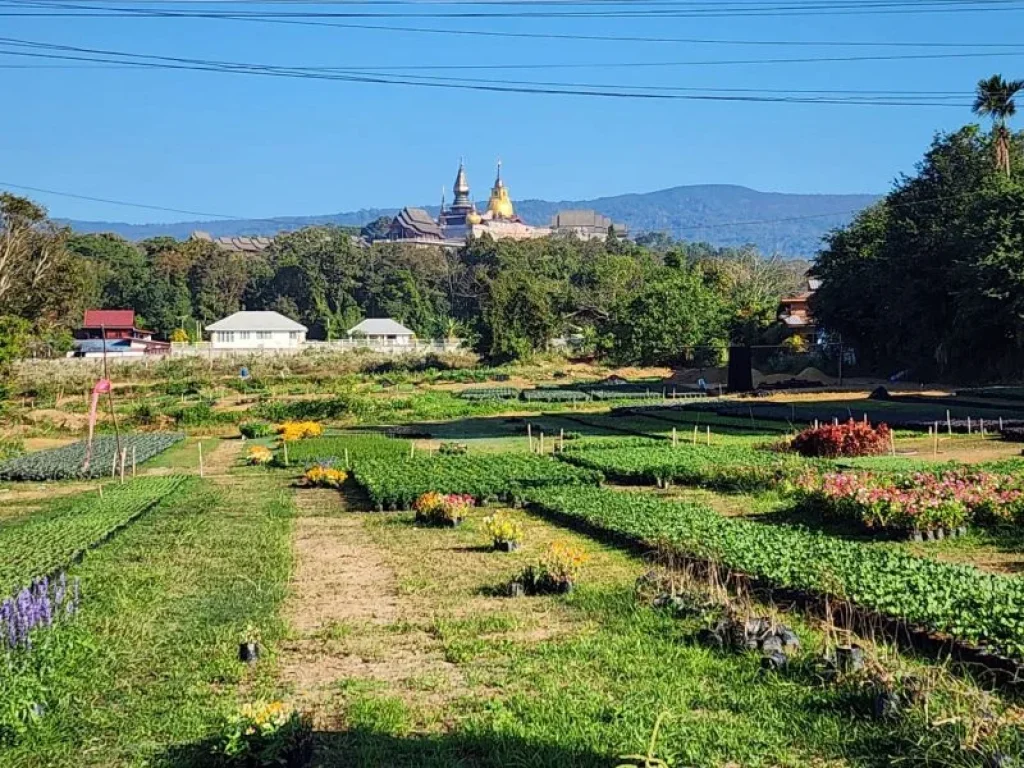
(399, 642)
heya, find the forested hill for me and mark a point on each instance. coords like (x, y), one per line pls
(719, 214)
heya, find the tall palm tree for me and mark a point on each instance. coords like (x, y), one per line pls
(995, 99)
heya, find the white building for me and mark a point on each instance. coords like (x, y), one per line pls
(382, 332)
(256, 330)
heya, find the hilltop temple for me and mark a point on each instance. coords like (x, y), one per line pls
(461, 221)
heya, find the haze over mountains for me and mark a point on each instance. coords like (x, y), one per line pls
(724, 215)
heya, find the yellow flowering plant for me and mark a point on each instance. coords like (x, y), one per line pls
(442, 508)
(320, 476)
(291, 431)
(259, 455)
(505, 532)
(557, 571)
(265, 734)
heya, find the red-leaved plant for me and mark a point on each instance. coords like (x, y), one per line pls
(854, 438)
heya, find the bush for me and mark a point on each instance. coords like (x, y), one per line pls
(322, 476)
(854, 438)
(503, 529)
(299, 430)
(264, 736)
(259, 455)
(255, 429)
(557, 571)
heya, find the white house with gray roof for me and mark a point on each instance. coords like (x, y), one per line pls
(255, 331)
(382, 332)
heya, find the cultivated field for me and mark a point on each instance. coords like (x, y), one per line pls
(578, 576)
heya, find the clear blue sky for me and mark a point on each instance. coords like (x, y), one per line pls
(261, 146)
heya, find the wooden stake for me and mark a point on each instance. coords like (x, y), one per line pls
(694, 434)
(561, 439)
(1000, 423)
(113, 464)
(529, 435)
(675, 438)
(124, 456)
(541, 443)
(347, 465)
(101, 491)
(133, 461)
(892, 441)
(949, 422)
(709, 434)
(201, 472)
(412, 449)
(968, 425)
(981, 426)
(936, 439)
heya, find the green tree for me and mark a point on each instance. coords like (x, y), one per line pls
(664, 322)
(519, 315)
(995, 99)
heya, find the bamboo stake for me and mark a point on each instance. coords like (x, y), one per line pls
(1000, 423)
(561, 440)
(694, 434)
(541, 451)
(202, 473)
(675, 438)
(936, 439)
(113, 464)
(133, 461)
(124, 456)
(347, 465)
(709, 434)
(529, 435)
(892, 441)
(981, 426)
(968, 425)
(412, 449)
(949, 422)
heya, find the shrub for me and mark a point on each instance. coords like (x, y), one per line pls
(853, 438)
(453, 449)
(557, 571)
(253, 430)
(503, 529)
(259, 455)
(442, 509)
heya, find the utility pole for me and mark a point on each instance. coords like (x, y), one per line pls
(110, 389)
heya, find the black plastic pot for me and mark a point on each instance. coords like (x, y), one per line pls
(886, 705)
(940, 534)
(516, 589)
(850, 658)
(772, 644)
(248, 652)
(790, 641)
(506, 546)
(711, 639)
(916, 536)
(775, 661)
(961, 531)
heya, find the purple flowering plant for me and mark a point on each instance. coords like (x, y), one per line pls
(35, 608)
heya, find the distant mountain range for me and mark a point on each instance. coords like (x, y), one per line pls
(721, 214)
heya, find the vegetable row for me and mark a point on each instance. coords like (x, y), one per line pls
(968, 604)
(394, 484)
(356, 446)
(68, 462)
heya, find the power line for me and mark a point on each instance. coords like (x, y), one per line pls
(149, 61)
(109, 201)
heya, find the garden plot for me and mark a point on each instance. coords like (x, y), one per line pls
(394, 484)
(67, 462)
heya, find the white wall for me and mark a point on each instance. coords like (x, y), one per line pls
(257, 339)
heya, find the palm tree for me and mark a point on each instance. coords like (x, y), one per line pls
(995, 99)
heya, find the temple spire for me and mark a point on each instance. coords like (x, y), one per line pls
(461, 202)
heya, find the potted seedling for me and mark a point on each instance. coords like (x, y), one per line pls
(446, 510)
(556, 573)
(249, 645)
(506, 533)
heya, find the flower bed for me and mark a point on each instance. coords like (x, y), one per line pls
(67, 462)
(848, 439)
(969, 604)
(392, 484)
(299, 430)
(355, 446)
(918, 501)
(323, 476)
(489, 393)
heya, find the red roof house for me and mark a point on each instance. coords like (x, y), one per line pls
(118, 325)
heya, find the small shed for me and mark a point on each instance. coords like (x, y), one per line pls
(257, 330)
(382, 332)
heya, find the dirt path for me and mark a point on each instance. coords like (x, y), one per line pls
(344, 597)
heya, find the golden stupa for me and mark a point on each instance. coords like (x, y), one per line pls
(500, 204)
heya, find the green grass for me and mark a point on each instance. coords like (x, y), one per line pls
(151, 659)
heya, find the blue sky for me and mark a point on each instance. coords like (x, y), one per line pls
(259, 146)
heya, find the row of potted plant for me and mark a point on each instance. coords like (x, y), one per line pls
(916, 502)
(557, 570)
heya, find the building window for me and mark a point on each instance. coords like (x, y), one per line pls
(263, 335)
(226, 336)
(293, 335)
(243, 335)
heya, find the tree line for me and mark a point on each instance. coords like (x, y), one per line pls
(930, 280)
(644, 302)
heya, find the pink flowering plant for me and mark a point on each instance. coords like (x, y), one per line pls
(918, 501)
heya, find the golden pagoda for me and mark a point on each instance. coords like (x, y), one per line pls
(500, 204)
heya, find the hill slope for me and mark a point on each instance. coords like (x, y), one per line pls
(720, 214)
